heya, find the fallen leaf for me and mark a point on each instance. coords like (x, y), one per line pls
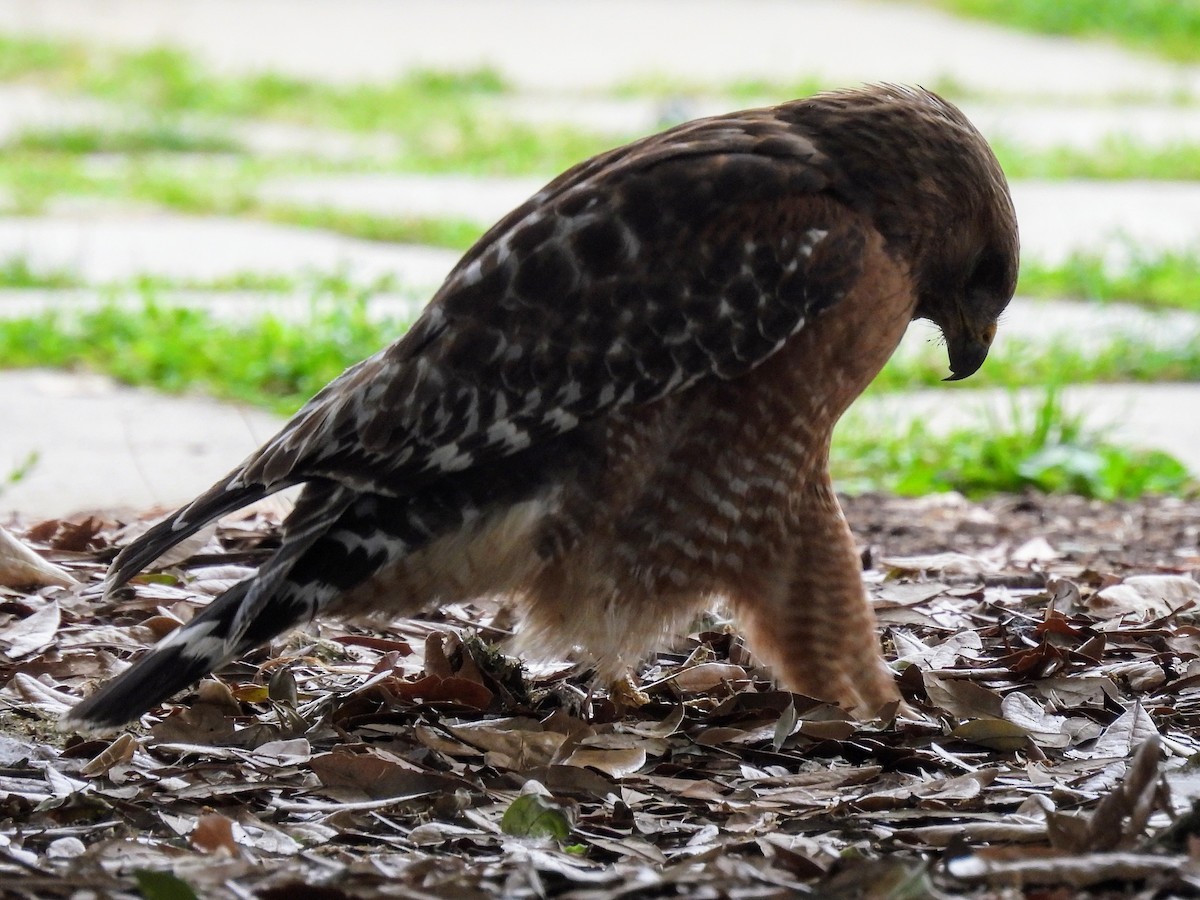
(34, 632)
(358, 776)
(941, 563)
(162, 886)
(214, 834)
(536, 816)
(119, 751)
(1129, 730)
(706, 676)
(998, 734)
(617, 763)
(1047, 730)
(962, 698)
(21, 567)
(1145, 597)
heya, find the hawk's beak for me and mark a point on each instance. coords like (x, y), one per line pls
(968, 350)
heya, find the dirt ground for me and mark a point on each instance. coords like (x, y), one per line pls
(1047, 649)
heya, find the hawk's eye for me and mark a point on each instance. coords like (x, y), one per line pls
(990, 274)
(990, 284)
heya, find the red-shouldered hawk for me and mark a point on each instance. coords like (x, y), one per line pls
(619, 404)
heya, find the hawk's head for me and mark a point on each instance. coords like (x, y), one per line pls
(932, 185)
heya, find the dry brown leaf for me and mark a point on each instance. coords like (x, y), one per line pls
(961, 698)
(617, 763)
(34, 632)
(119, 751)
(21, 567)
(1076, 871)
(704, 677)
(1046, 729)
(998, 734)
(938, 563)
(375, 776)
(517, 747)
(1146, 597)
(214, 834)
(1129, 730)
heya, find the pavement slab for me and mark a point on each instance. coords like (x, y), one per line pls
(591, 44)
(106, 247)
(96, 444)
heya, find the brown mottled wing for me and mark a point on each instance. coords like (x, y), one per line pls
(693, 254)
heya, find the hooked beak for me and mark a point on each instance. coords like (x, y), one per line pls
(968, 350)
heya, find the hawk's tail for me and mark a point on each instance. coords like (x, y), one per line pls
(279, 596)
(223, 497)
(182, 658)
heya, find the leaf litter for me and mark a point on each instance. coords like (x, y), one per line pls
(1048, 651)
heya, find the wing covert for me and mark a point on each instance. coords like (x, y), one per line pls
(631, 277)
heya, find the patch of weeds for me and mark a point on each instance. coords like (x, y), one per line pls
(1115, 157)
(1165, 278)
(441, 116)
(1045, 449)
(1029, 363)
(457, 234)
(256, 282)
(333, 284)
(205, 185)
(170, 79)
(16, 273)
(20, 472)
(268, 361)
(24, 56)
(30, 180)
(666, 87)
(1170, 28)
(161, 137)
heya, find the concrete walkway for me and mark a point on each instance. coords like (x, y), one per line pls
(116, 246)
(95, 444)
(589, 44)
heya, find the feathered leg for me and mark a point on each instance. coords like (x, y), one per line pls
(814, 623)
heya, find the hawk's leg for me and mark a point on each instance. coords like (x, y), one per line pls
(814, 623)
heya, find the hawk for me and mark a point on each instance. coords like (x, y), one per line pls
(619, 404)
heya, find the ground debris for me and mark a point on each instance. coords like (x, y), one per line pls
(1047, 649)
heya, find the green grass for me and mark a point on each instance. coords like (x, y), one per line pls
(18, 473)
(17, 273)
(1170, 28)
(441, 120)
(34, 180)
(1114, 158)
(456, 234)
(1168, 279)
(22, 57)
(1046, 449)
(158, 137)
(268, 362)
(438, 116)
(1024, 364)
